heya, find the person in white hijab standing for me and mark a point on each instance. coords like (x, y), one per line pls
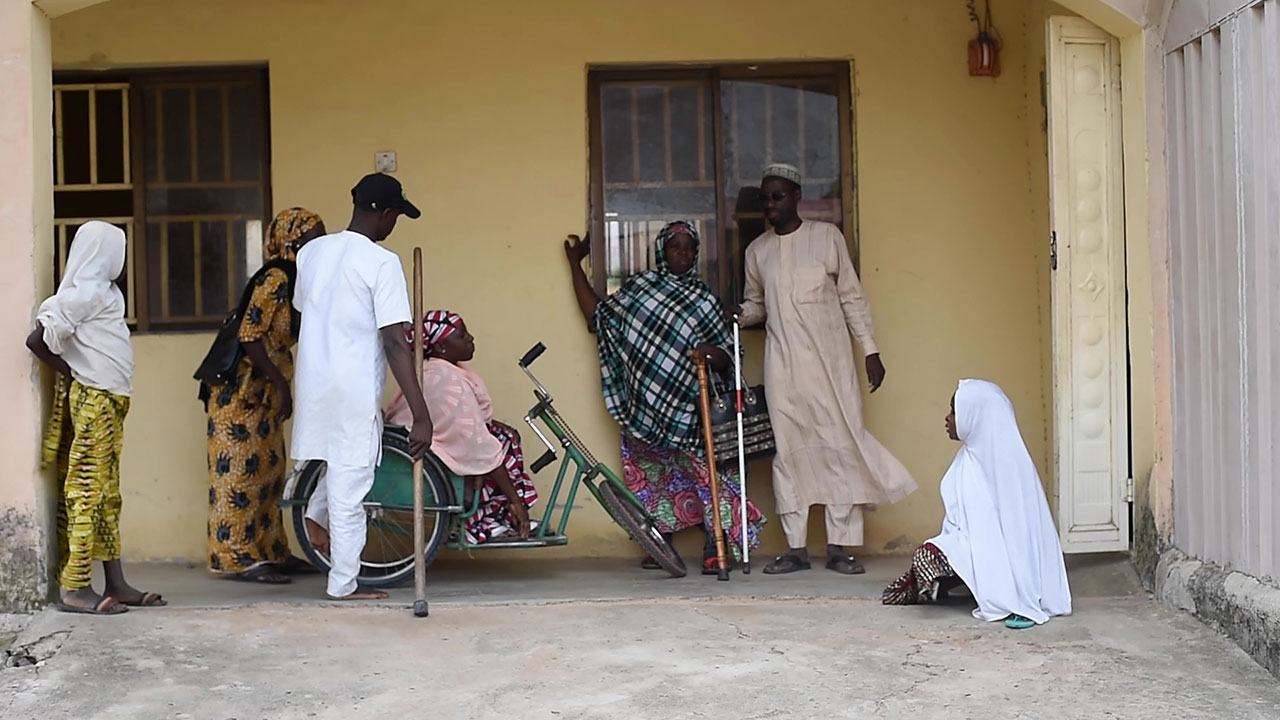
(998, 537)
(81, 334)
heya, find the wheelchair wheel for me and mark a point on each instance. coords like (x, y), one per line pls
(641, 527)
(388, 551)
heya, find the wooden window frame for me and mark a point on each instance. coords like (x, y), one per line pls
(137, 81)
(841, 71)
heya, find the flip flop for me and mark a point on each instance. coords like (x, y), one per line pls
(845, 565)
(363, 593)
(148, 599)
(266, 576)
(106, 606)
(784, 564)
(711, 566)
(298, 566)
(1017, 622)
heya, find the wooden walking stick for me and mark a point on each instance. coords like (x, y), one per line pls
(419, 529)
(722, 564)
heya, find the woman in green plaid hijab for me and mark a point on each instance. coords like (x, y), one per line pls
(644, 334)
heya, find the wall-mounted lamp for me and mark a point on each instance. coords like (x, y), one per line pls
(984, 51)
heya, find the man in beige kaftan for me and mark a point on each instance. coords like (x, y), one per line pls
(801, 283)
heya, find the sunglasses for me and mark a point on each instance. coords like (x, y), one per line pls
(776, 196)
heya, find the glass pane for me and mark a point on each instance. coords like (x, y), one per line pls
(248, 237)
(110, 135)
(765, 121)
(176, 137)
(746, 148)
(92, 203)
(651, 125)
(176, 266)
(205, 199)
(657, 146)
(247, 118)
(784, 126)
(616, 124)
(150, 145)
(210, 152)
(75, 137)
(216, 269)
(210, 130)
(691, 156)
(821, 140)
(154, 305)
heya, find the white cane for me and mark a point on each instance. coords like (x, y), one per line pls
(742, 456)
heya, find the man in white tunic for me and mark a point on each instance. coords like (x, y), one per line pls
(355, 315)
(801, 283)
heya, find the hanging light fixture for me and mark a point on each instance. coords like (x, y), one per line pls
(984, 50)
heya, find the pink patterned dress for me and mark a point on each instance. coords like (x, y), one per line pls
(470, 443)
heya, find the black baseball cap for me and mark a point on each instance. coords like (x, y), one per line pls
(380, 191)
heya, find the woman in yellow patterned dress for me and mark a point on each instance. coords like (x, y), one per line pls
(247, 459)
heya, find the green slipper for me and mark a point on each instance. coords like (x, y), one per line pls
(1017, 622)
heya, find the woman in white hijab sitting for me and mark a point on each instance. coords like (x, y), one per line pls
(997, 536)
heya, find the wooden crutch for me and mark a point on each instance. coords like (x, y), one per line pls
(722, 564)
(419, 529)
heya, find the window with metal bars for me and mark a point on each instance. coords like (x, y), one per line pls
(690, 143)
(179, 161)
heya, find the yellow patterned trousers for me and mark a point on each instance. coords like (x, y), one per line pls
(85, 438)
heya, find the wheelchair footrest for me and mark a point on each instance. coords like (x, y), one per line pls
(510, 543)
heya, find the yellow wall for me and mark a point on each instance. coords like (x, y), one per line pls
(25, 206)
(485, 102)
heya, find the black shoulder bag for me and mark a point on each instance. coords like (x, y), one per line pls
(219, 364)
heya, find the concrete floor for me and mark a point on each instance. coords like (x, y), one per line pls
(608, 640)
(463, 582)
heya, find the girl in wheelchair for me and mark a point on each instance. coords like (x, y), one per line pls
(467, 439)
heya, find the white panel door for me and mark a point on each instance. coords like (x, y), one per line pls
(1090, 373)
